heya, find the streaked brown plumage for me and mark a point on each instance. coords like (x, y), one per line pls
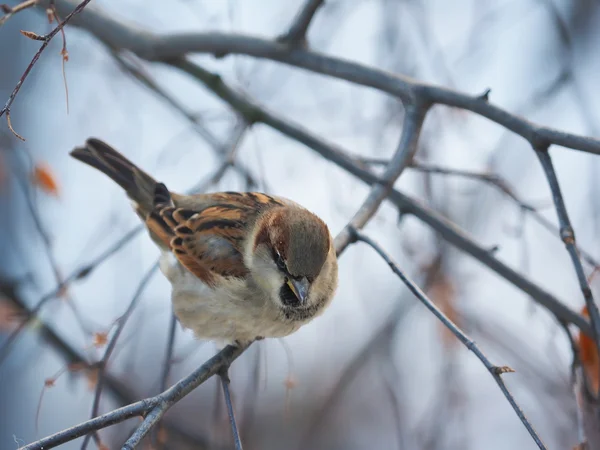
(242, 265)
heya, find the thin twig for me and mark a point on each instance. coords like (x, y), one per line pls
(495, 371)
(171, 396)
(149, 408)
(113, 342)
(15, 9)
(567, 235)
(224, 376)
(494, 180)
(164, 379)
(46, 40)
(222, 149)
(78, 274)
(411, 130)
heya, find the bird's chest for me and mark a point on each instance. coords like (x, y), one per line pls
(230, 310)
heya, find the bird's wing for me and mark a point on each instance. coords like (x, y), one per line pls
(206, 233)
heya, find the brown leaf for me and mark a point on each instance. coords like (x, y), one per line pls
(10, 314)
(43, 178)
(588, 353)
(100, 339)
(92, 378)
(77, 366)
(290, 382)
(443, 294)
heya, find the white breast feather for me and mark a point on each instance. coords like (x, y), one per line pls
(228, 312)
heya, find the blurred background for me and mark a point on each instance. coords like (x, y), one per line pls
(377, 370)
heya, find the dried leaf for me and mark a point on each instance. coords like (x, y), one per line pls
(10, 315)
(92, 378)
(588, 353)
(443, 294)
(290, 382)
(100, 339)
(45, 179)
(76, 367)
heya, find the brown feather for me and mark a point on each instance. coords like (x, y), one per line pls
(205, 232)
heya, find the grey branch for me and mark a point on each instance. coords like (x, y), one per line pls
(449, 231)
(152, 408)
(150, 46)
(413, 121)
(568, 236)
(495, 371)
(417, 97)
(296, 35)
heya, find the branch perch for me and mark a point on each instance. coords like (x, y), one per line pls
(495, 371)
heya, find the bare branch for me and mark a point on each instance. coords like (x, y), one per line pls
(296, 35)
(225, 381)
(567, 235)
(151, 408)
(46, 40)
(448, 230)
(413, 121)
(11, 11)
(78, 274)
(495, 371)
(219, 362)
(170, 47)
(113, 342)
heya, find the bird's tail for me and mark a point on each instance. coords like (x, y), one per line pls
(139, 186)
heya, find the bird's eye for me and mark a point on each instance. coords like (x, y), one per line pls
(280, 263)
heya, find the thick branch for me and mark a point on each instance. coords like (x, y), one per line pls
(149, 46)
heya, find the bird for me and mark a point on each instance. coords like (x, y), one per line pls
(243, 266)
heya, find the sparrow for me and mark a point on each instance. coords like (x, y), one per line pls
(242, 265)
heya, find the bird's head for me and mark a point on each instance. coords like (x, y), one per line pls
(292, 258)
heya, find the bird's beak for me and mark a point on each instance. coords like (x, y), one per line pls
(299, 288)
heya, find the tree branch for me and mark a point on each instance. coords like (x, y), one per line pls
(148, 408)
(169, 47)
(495, 371)
(567, 235)
(113, 342)
(46, 40)
(413, 122)
(296, 35)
